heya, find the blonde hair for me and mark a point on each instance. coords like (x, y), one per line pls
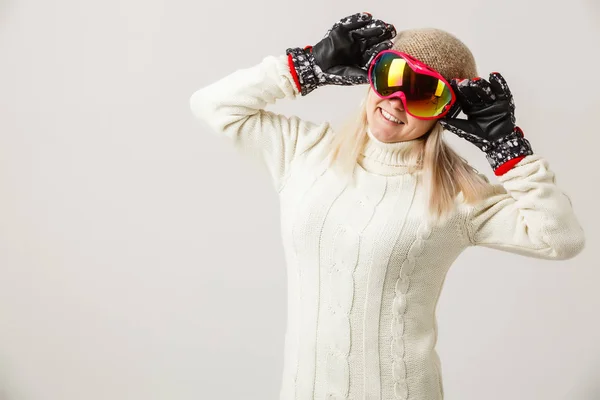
(445, 173)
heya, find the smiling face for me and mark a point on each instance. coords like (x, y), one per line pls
(404, 127)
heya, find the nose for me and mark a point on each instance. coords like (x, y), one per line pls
(396, 103)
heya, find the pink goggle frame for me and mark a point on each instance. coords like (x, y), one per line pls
(419, 68)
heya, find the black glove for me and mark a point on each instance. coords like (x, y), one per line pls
(344, 55)
(490, 123)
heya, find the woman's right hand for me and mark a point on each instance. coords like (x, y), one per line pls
(343, 56)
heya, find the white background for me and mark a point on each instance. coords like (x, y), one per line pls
(140, 255)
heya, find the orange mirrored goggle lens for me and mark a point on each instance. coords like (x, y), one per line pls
(426, 96)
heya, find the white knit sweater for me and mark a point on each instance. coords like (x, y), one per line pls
(364, 269)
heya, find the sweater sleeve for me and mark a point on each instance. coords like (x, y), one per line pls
(234, 107)
(527, 214)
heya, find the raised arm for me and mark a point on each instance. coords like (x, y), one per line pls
(527, 214)
(234, 106)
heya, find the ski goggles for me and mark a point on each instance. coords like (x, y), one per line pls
(423, 91)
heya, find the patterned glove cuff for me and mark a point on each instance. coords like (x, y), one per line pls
(506, 152)
(303, 62)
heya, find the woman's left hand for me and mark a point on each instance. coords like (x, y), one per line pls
(490, 123)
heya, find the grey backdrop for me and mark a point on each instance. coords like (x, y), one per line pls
(140, 255)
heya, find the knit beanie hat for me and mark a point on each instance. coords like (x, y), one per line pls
(438, 49)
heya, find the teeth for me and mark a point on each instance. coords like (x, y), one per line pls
(390, 117)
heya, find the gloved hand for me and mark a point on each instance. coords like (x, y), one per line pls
(343, 56)
(490, 123)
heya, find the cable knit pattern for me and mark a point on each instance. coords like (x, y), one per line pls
(345, 254)
(399, 309)
(364, 272)
(345, 247)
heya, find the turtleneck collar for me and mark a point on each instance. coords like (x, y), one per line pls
(383, 158)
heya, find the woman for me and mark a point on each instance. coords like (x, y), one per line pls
(374, 215)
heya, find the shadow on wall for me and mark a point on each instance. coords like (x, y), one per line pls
(4, 8)
(593, 382)
(594, 7)
(8, 391)
(592, 390)
(587, 386)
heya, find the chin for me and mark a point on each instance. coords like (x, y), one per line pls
(389, 134)
(393, 140)
(388, 138)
